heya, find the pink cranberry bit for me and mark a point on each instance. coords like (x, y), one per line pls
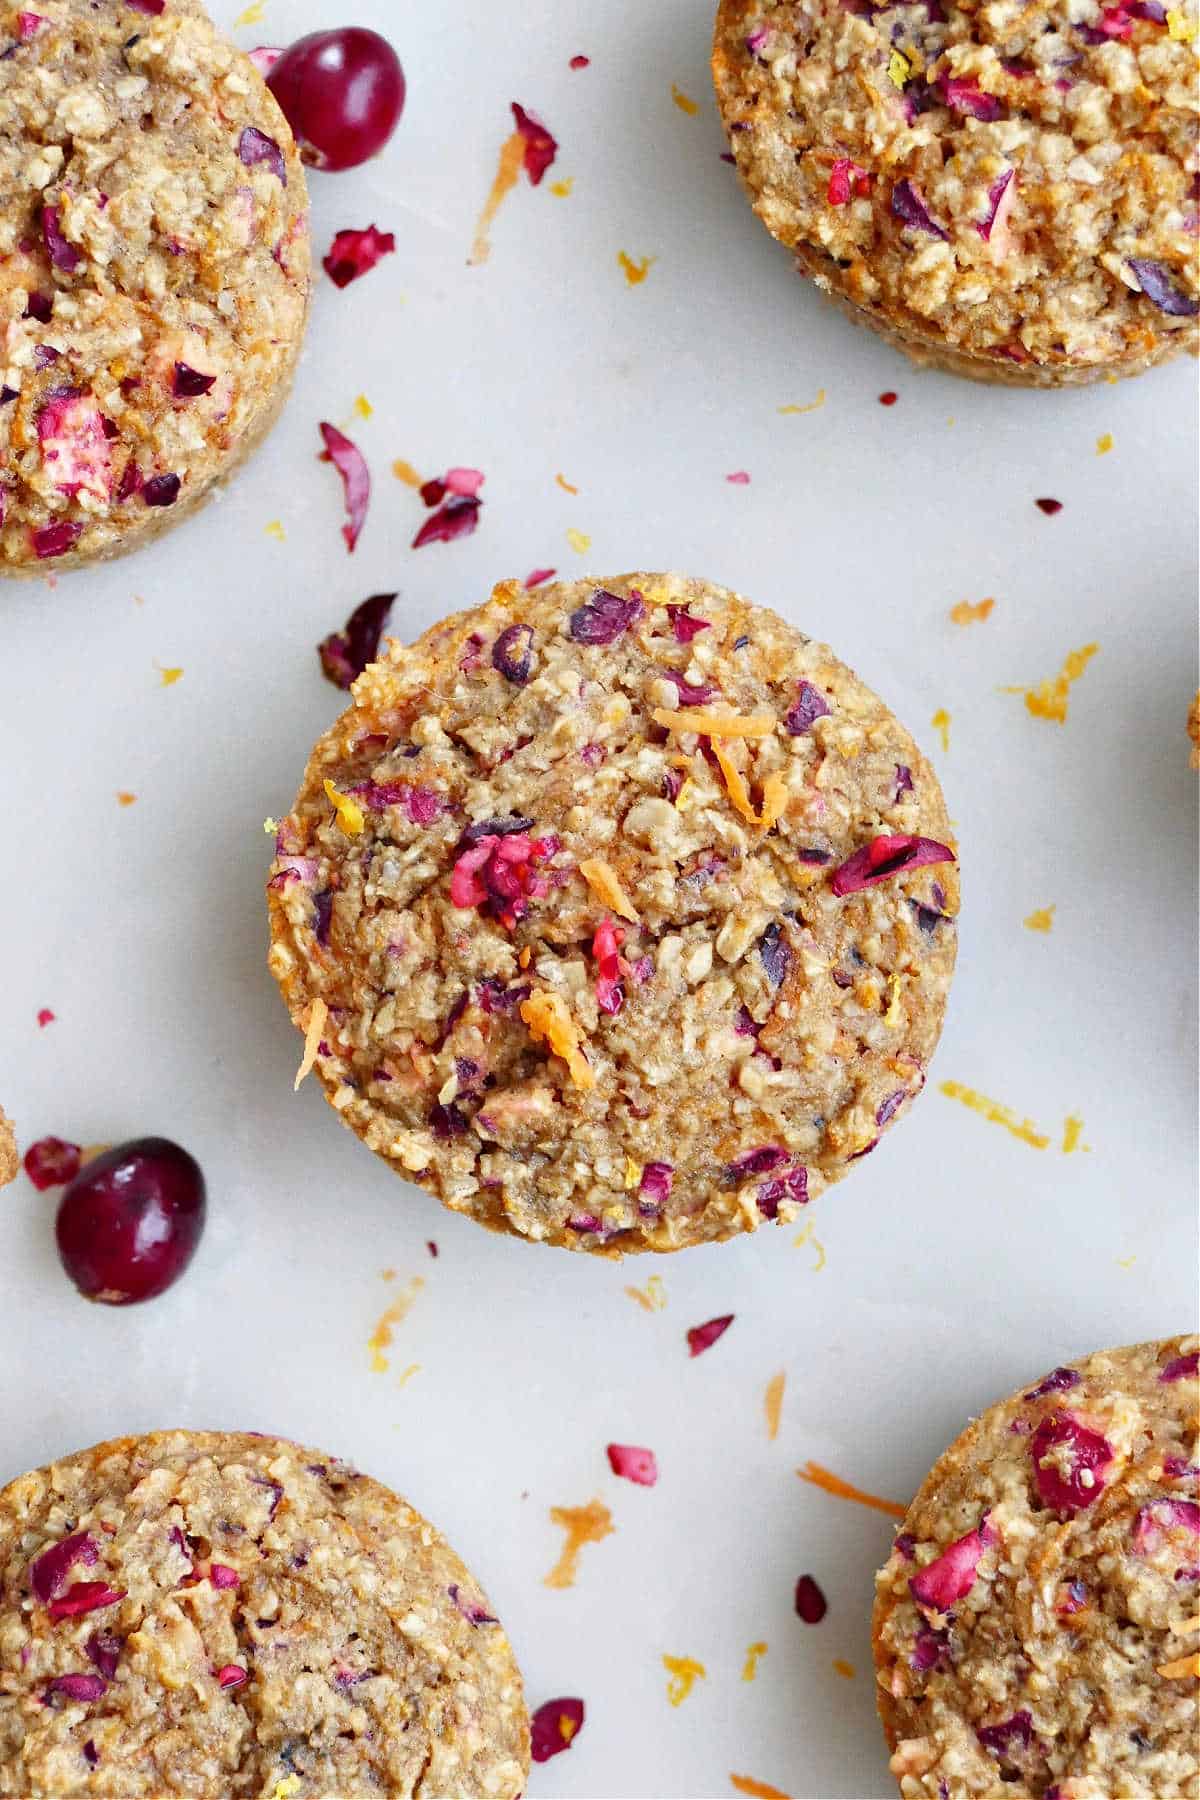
(811, 1604)
(702, 1337)
(48, 1572)
(74, 444)
(1070, 1463)
(130, 1221)
(81, 1688)
(554, 1727)
(950, 1576)
(606, 943)
(84, 1597)
(633, 1463)
(342, 93)
(52, 1162)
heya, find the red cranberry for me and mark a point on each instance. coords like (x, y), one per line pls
(342, 93)
(129, 1222)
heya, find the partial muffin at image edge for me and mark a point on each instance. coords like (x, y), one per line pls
(10, 1160)
(213, 1613)
(1005, 192)
(620, 915)
(154, 275)
(1036, 1626)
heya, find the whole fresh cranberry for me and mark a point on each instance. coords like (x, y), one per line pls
(342, 93)
(130, 1221)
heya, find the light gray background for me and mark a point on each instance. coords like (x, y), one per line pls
(960, 1262)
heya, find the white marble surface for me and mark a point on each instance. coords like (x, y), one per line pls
(959, 1260)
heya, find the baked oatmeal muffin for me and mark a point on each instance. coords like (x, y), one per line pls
(10, 1160)
(1036, 1626)
(620, 915)
(154, 272)
(214, 1614)
(1007, 191)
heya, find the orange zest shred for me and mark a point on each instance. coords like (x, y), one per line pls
(713, 725)
(683, 101)
(547, 1017)
(588, 1524)
(754, 1653)
(651, 1298)
(381, 1338)
(830, 1483)
(685, 1672)
(349, 813)
(634, 272)
(773, 1403)
(318, 1012)
(404, 471)
(1073, 1134)
(813, 405)
(1049, 699)
(995, 1113)
(565, 485)
(605, 883)
(508, 170)
(844, 1668)
(967, 614)
(757, 1790)
(1183, 1665)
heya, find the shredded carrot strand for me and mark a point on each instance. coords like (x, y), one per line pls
(773, 1403)
(313, 1031)
(713, 725)
(605, 883)
(508, 169)
(833, 1484)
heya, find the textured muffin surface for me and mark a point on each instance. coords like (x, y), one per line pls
(154, 272)
(1008, 185)
(574, 908)
(1036, 1626)
(214, 1614)
(10, 1160)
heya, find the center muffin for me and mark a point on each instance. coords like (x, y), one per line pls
(621, 916)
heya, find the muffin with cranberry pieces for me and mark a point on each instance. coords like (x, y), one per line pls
(618, 914)
(154, 272)
(1036, 1626)
(1005, 191)
(217, 1613)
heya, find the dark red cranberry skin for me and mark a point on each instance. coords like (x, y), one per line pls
(130, 1221)
(342, 93)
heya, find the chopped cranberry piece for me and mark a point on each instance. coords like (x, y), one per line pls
(811, 1604)
(1069, 1463)
(52, 1162)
